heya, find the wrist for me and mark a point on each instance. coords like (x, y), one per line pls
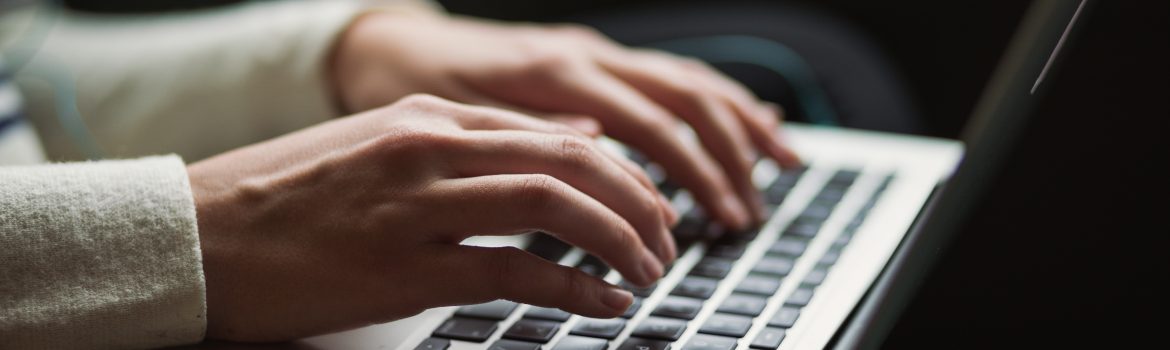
(361, 59)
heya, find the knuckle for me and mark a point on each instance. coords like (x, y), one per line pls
(508, 261)
(538, 192)
(657, 128)
(576, 152)
(627, 237)
(416, 140)
(577, 31)
(573, 284)
(421, 101)
(546, 63)
(695, 99)
(649, 204)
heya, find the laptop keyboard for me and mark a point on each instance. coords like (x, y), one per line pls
(673, 315)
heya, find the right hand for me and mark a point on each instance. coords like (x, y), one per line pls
(359, 220)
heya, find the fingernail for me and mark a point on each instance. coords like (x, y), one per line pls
(735, 208)
(786, 156)
(651, 267)
(774, 108)
(617, 299)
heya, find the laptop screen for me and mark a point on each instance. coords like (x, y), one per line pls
(991, 132)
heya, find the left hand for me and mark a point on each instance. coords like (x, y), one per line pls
(637, 96)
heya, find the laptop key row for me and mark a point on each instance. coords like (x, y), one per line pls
(654, 332)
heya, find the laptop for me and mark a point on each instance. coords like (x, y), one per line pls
(848, 238)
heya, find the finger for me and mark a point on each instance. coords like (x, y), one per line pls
(632, 118)
(644, 178)
(581, 123)
(487, 118)
(763, 118)
(510, 204)
(719, 128)
(576, 161)
(766, 135)
(478, 274)
(585, 125)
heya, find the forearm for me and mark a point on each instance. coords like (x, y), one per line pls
(193, 83)
(99, 255)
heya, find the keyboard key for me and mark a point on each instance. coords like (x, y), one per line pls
(817, 211)
(691, 226)
(644, 344)
(695, 287)
(842, 239)
(712, 267)
(788, 247)
(800, 297)
(660, 328)
(678, 307)
(548, 247)
(532, 330)
(728, 325)
(581, 343)
(727, 250)
(779, 188)
(633, 309)
(743, 304)
(546, 313)
(668, 188)
(638, 291)
(776, 266)
(844, 178)
(434, 344)
(742, 236)
(815, 277)
(830, 194)
(768, 339)
(759, 285)
(592, 265)
(468, 329)
(495, 310)
(710, 342)
(802, 229)
(638, 158)
(599, 328)
(788, 177)
(830, 257)
(775, 195)
(506, 344)
(785, 317)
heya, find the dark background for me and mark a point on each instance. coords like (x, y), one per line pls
(1070, 245)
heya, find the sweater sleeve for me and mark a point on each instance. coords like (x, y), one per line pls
(99, 255)
(193, 83)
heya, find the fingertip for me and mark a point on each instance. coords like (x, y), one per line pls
(774, 109)
(667, 251)
(735, 211)
(783, 154)
(755, 203)
(652, 268)
(617, 299)
(668, 211)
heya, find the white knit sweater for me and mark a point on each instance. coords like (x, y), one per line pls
(99, 255)
(106, 254)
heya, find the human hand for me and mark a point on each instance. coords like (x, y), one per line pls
(638, 96)
(359, 220)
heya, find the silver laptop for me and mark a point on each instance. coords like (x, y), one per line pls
(843, 245)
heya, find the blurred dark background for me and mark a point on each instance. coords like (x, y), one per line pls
(1070, 245)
